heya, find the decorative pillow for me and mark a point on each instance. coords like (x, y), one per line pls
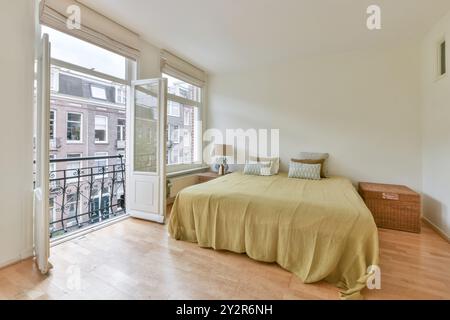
(274, 163)
(316, 156)
(310, 161)
(256, 169)
(304, 171)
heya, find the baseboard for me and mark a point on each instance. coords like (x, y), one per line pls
(437, 229)
(24, 256)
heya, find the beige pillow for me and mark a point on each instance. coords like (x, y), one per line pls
(312, 161)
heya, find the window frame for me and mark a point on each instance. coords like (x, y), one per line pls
(81, 127)
(106, 141)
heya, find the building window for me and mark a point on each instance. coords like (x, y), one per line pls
(442, 61)
(183, 98)
(188, 116)
(173, 109)
(174, 133)
(52, 124)
(184, 93)
(71, 208)
(73, 167)
(54, 80)
(74, 127)
(101, 165)
(98, 92)
(101, 129)
(121, 126)
(53, 173)
(187, 140)
(121, 95)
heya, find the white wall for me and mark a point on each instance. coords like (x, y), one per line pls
(361, 107)
(436, 129)
(16, 85)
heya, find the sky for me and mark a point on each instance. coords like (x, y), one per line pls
(75, 51)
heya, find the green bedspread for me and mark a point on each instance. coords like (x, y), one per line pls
(319, 230)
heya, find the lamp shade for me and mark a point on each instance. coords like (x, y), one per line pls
(223, 150)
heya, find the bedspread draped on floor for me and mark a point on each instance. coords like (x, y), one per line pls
(319, 230)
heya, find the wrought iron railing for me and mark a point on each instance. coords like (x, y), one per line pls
(85, 191)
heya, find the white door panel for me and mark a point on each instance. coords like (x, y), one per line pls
(147, 150)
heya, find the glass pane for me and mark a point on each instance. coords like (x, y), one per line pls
(82, 53)
(74, 117)
(182, 144)
(146, 128)
(182, 89)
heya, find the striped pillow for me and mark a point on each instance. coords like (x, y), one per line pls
(304, 171)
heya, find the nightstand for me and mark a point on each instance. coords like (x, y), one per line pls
(207, 176)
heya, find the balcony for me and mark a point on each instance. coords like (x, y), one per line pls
(85, 192)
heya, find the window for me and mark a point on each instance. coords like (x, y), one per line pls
(173, 109)
(185, 93)
(121, 126)
(188, 119)
(101, 129)
(54, 82)
(73, 167)
(187, 139)
(98, 92)
(53, 173)
(74, 127)
(101, 166)
(121, 95)
(184, 145)
(442, 61)
(174, 133)
(71, 208)
(53, 216)
(52, 124)
(182, 89)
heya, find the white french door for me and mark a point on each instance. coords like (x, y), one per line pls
(146, 172)
(42, 141)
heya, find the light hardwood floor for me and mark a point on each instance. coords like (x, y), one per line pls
(134, 259)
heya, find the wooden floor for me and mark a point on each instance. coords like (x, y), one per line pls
(134, 259)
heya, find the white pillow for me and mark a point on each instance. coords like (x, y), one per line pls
(274, 164)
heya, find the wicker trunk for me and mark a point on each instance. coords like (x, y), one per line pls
(392, 206)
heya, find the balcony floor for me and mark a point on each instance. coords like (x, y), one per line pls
(134, 259)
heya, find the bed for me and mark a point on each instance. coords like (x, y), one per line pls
(319, 230)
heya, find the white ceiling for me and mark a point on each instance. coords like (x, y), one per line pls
(224, 35)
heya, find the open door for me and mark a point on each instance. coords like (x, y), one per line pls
(146, 172)
(42, 141)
